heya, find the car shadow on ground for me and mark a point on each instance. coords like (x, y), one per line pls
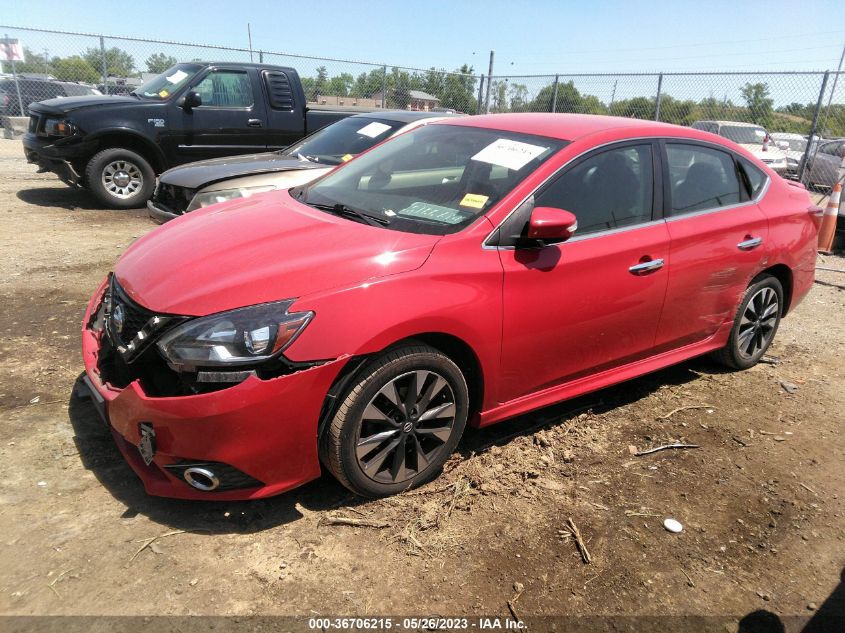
(69, 198)
(100, 455)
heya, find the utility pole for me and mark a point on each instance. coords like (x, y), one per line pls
(489, 84)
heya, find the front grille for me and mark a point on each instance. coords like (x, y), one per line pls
(133, 316)
(172, 198)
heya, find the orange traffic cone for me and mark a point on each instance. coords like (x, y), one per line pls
(828, 228)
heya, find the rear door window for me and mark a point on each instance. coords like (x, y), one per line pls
(700, 178)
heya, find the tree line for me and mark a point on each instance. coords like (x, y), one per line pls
(458, 90)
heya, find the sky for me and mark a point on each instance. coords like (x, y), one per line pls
(529, 37)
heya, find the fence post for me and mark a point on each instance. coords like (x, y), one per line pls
(383, 85)
(105, 66)
(489, 84)
(480, 94)
(659, 96)
(554, 96)
(813, 127)
(260, 57)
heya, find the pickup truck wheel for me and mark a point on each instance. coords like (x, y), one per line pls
(397, 423)
(120, 178)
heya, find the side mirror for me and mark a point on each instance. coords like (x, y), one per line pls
(551, 225)
(191, 100)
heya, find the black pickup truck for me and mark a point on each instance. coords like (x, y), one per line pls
(115, 145)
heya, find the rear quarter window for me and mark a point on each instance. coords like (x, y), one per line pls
(754, 177)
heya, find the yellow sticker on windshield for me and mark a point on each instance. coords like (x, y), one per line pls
(346, 157)
(474, 200)
(163, 94)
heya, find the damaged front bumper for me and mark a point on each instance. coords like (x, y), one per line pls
(254, 439)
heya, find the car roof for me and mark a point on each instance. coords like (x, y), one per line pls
(567, 127)
(736, 123)
(789, 135)
(403, 116)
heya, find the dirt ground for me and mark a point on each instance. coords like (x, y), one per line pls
(762, 500)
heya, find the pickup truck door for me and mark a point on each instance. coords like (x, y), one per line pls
(230, 120)
(285, 120)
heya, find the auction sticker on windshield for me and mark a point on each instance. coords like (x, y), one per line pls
(374, 129)
(433, 212)
(510, 154)
(474, 201)
(176, 77)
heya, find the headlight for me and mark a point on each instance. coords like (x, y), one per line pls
(213, 197)
(59, 127)
(238, 337)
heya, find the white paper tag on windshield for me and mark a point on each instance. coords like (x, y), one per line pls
(507, 153)
(374, 129)
(176, 77)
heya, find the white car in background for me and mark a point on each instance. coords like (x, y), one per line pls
(752, 137)
(794, 146)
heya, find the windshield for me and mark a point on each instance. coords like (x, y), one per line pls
(435, 179)
(344, 139)
(168, 82)
(744, 135)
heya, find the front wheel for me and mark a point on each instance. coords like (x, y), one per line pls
(398, 422)
(120, 178)
(755, 324)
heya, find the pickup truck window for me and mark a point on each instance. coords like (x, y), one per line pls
(168, 82)
(226, 89)
(279, 90)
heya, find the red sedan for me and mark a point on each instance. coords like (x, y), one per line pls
(462, 273)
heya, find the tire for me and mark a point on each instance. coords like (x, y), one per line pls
(373, 416)
(753, 331)
(120, 178)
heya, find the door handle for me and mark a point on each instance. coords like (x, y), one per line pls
(646, 267)
(750, 243)
(253, 123)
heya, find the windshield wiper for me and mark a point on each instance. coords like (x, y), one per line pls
(342, 209)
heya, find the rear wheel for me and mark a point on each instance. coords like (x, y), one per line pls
(120, 178)
(755, 324)
(398, 422)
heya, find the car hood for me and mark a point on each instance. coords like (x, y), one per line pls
(253, 250)
(64, 105)
(204, 172)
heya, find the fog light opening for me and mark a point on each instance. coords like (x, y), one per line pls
(201, 479)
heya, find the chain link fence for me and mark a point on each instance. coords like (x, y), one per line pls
(790, 106)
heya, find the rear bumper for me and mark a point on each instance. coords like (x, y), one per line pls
(265, 429)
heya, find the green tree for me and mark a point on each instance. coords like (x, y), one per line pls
(759, 103)
(499, 96)
(458, 89)
(75, 69)
(159, 62)
(341, 85)
(119, 63)
(34, 63)
(636, 108)
(518, 97)
(320, 82)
